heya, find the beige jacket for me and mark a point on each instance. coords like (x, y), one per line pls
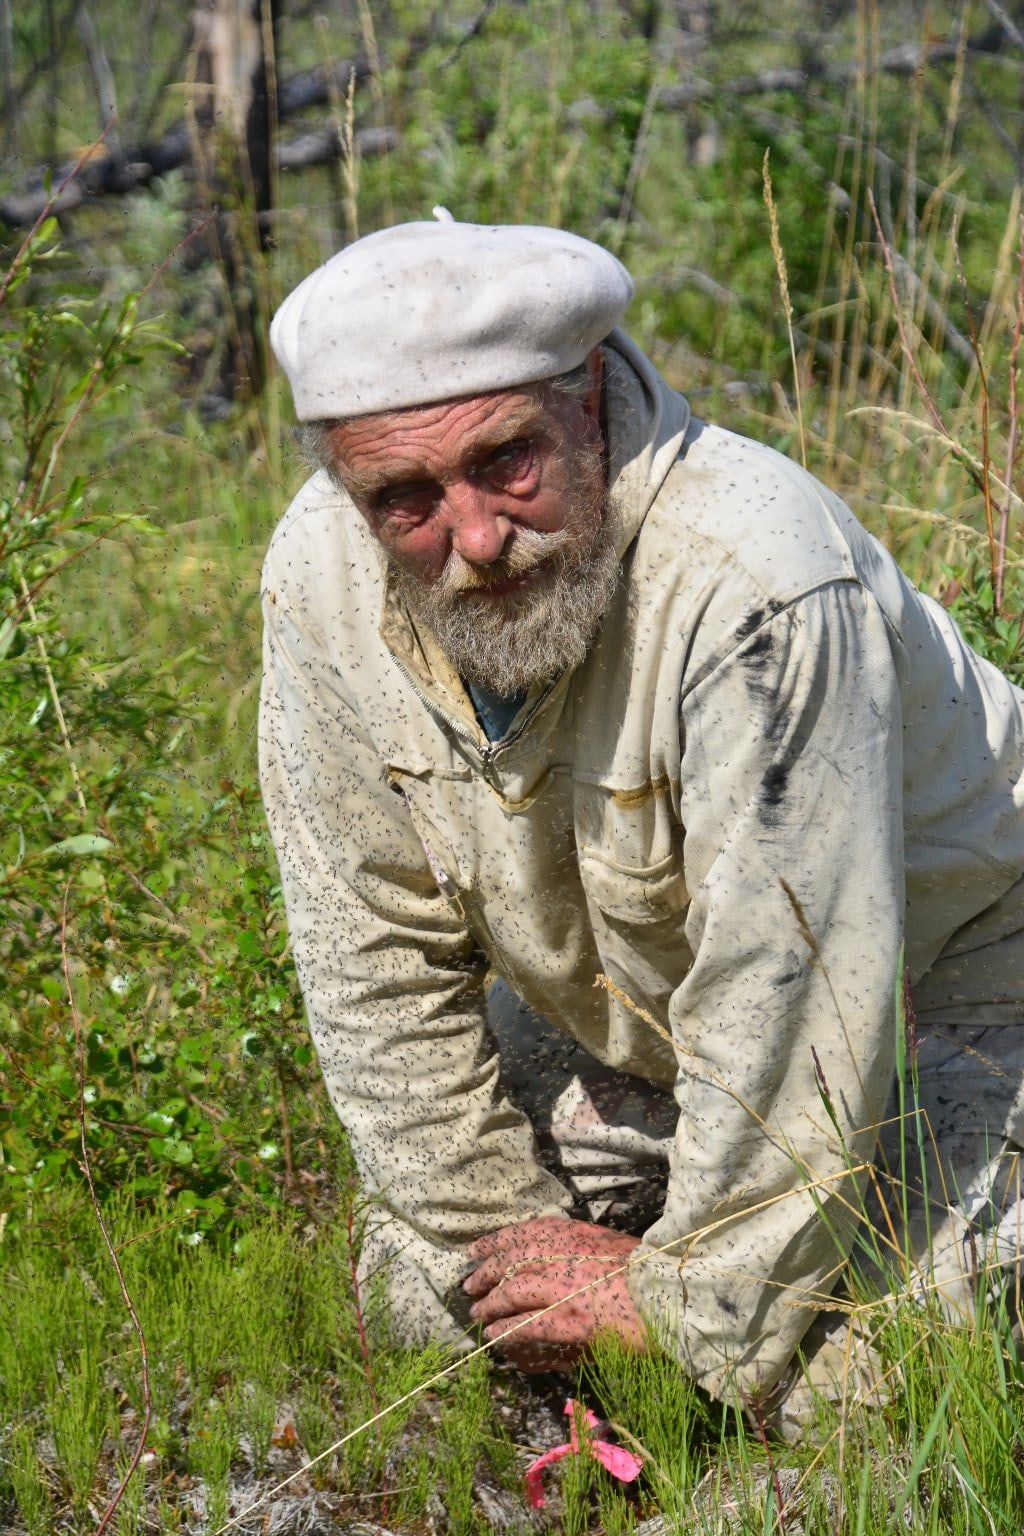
(777, 762)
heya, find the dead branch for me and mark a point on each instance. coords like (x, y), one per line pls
(907, 59)
(102, 75)
(325, 145)
(313, 87)
(107, 172)
(1009, 26)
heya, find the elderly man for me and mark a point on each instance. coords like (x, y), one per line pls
(564, 684)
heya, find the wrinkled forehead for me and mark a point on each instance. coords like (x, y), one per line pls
(371, 451)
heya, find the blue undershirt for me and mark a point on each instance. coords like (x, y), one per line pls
(495, 711)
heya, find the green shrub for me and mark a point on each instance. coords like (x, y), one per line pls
(185, 1052)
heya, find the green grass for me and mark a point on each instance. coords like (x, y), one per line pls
(248, 1346)
(255, 1369)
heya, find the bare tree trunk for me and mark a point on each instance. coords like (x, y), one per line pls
(53, 95)
(10, 141)
(102, 75)
(235, 117)
(695, 31)
(142, 58)
(236, 105)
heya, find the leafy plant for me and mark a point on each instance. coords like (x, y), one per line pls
(999, 635)
(184, 1005)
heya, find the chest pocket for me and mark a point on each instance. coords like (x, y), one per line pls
(639, 921)
(631, 862)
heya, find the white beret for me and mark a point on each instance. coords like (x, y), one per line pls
(425, 312)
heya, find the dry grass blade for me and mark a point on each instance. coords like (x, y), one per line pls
(1011, 447)
(908, 351)
(986, 453)
(780, 268)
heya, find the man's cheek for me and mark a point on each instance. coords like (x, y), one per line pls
(421, 554)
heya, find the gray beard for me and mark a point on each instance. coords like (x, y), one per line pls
(506, 644)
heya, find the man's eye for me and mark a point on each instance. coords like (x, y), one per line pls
(508, 464)
(403, 503)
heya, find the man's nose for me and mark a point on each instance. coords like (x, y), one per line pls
(478, 524)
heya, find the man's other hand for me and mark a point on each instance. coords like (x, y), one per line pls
(530, 1266)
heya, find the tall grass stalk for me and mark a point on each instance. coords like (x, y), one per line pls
(787, 308)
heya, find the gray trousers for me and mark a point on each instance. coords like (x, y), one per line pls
(607, 1136)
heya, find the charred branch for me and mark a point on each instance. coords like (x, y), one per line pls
(907, 59)
(107, 173)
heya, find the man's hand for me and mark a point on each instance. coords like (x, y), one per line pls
(524, 1268)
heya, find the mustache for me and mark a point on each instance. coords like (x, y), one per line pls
(527, 550)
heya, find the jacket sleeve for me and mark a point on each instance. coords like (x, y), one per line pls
(392, 981)
(785, 1024)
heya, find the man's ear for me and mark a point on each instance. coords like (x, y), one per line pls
(595, 366)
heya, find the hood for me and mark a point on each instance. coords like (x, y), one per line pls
(647, 422)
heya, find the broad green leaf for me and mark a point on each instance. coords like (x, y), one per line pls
(77, 847)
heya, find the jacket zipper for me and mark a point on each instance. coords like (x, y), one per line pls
(488, 753)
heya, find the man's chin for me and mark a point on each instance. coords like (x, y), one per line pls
(509, 646)
(521, 629)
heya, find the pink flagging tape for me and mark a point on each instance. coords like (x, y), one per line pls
(614, 1458)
